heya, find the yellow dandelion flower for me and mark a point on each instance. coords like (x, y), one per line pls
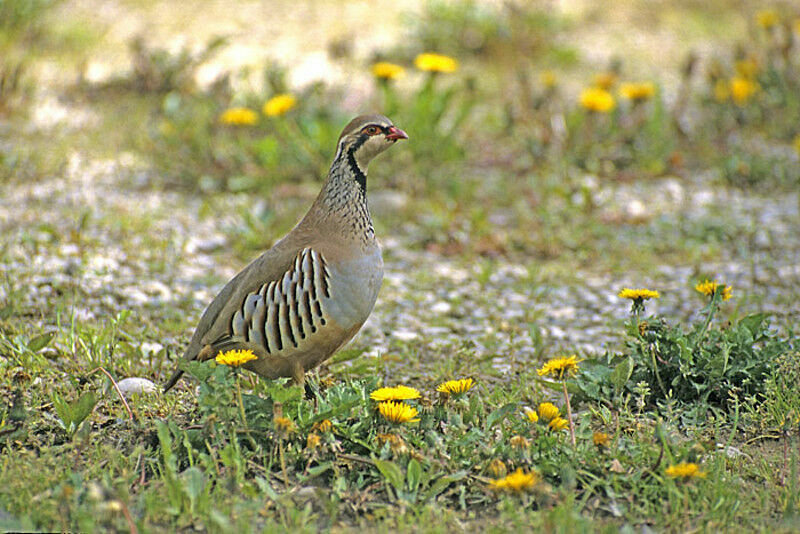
(638, 294)
(397, 393)
(601, 439)
(558, 423)
(560, 368)
(796, 144)
(235, 358)
(605, 80)
(727, 293)
(284, 425)
(722, 90)
(548, 78)
(279, 105)
(398, 412)
(455, 387)
(548, 411)
(710, 288)
(238, 117)
(323, 426)
(313, 441)
(532, 416)
(742, 90)
(516, 482)
(435, 63)
(597, 100)
(767, 18)
(747, 68)
(388, 71)
(519, 442)
(497, 468)
(685, 470)
(637, 92)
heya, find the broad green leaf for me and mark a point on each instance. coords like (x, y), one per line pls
(390, 472)
(279, 392)
(414, 474)
(41, 341)
(753, 323)
(200, 370)
(83, 407)
(266, 488)
(337, 411)
(165, 442)
(72, 414)
(62, 411)
(319, 469)
(440, 484)
(194, 482)
(500, 414)
(621, 374)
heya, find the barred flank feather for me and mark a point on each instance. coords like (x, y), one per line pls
(282, 313)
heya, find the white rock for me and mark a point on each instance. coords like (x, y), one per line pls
(151, 348)
(703, 198)
(636, 209)
(404, 335)
(204, 244)
(135, 386)
(455, 274)
(731, 452)
(100, 263)
(674, 190)
(441, 307)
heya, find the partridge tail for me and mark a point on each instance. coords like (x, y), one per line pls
(173, 379)
(192, 353)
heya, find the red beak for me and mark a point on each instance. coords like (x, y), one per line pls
(396, 133)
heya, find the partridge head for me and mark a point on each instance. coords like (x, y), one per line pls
(301, 300)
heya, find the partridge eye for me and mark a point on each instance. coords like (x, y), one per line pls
(371, 130)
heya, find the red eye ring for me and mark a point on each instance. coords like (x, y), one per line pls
(371, 130)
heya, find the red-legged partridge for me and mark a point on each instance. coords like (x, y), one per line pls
(309, 294)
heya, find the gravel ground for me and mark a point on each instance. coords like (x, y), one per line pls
(97, 230)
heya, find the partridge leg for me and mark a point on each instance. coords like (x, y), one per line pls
(298, 374)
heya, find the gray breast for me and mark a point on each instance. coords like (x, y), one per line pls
(354, 285)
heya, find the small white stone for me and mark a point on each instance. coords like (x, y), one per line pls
(135, 386)
(151, 348)
(566, 312)
(103, 263)
(557, 332)
(70, 249)
(447, 271)
(204, 244)
(404, 335)
(636, 209)
(731, 452)
(441, 307)
(703, 198)
(674, 190)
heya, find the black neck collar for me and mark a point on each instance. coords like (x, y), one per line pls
(361, 176)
